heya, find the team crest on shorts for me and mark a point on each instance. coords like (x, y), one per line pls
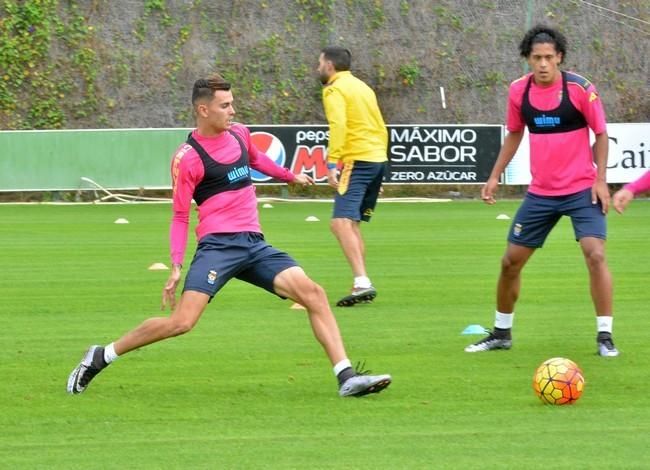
(368, 212)
(212, 277)
(517, 230)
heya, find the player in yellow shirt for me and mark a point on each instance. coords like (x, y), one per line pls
(358, 143)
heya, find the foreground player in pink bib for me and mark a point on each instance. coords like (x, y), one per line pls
(558, 108)
(213, 168)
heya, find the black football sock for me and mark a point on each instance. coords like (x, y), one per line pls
(98, 358)
(345, 374)
(502, 333)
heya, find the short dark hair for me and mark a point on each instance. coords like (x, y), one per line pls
(339, 56)
(204, 88)
(541, 34)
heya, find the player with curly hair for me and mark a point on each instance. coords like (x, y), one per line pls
(568, 179)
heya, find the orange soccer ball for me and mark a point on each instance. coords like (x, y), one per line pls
(558, 381)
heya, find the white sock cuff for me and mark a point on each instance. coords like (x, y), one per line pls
(344, 364)
(362, 281)
(604, 323)
(503, 320)
(109, 353)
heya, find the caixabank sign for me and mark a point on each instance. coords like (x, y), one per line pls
(428, 154)
(628, 159)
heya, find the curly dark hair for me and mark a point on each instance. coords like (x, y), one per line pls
(541, 34)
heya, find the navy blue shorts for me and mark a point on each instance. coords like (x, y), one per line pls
(359, 186)
(221, 256)
(538, 215)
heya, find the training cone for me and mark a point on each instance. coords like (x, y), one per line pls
(312, 218)
(503, 217)
(158, 267)
(121, 221)
(474, 330)
(297, 306)
(267, 206)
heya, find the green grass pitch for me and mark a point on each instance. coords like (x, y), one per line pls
(249, 387)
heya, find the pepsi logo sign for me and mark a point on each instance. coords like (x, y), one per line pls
(272, 147)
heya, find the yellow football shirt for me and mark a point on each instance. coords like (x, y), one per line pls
(357, 128)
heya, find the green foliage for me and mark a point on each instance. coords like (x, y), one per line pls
(121, 66)
(158, 7)
(316, 11)
(291, 84)
(33, 87)
(404, 7)
(57, 71)
(154, 5)
(377, 16)
(25, 38)
(410, 72)
(449, 17)
(597, 44)
(177, 64)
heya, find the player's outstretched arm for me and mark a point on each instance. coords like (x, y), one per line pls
(169, 291)
(600, 190)
(621, 199)
(508, 150)
(302, 179)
